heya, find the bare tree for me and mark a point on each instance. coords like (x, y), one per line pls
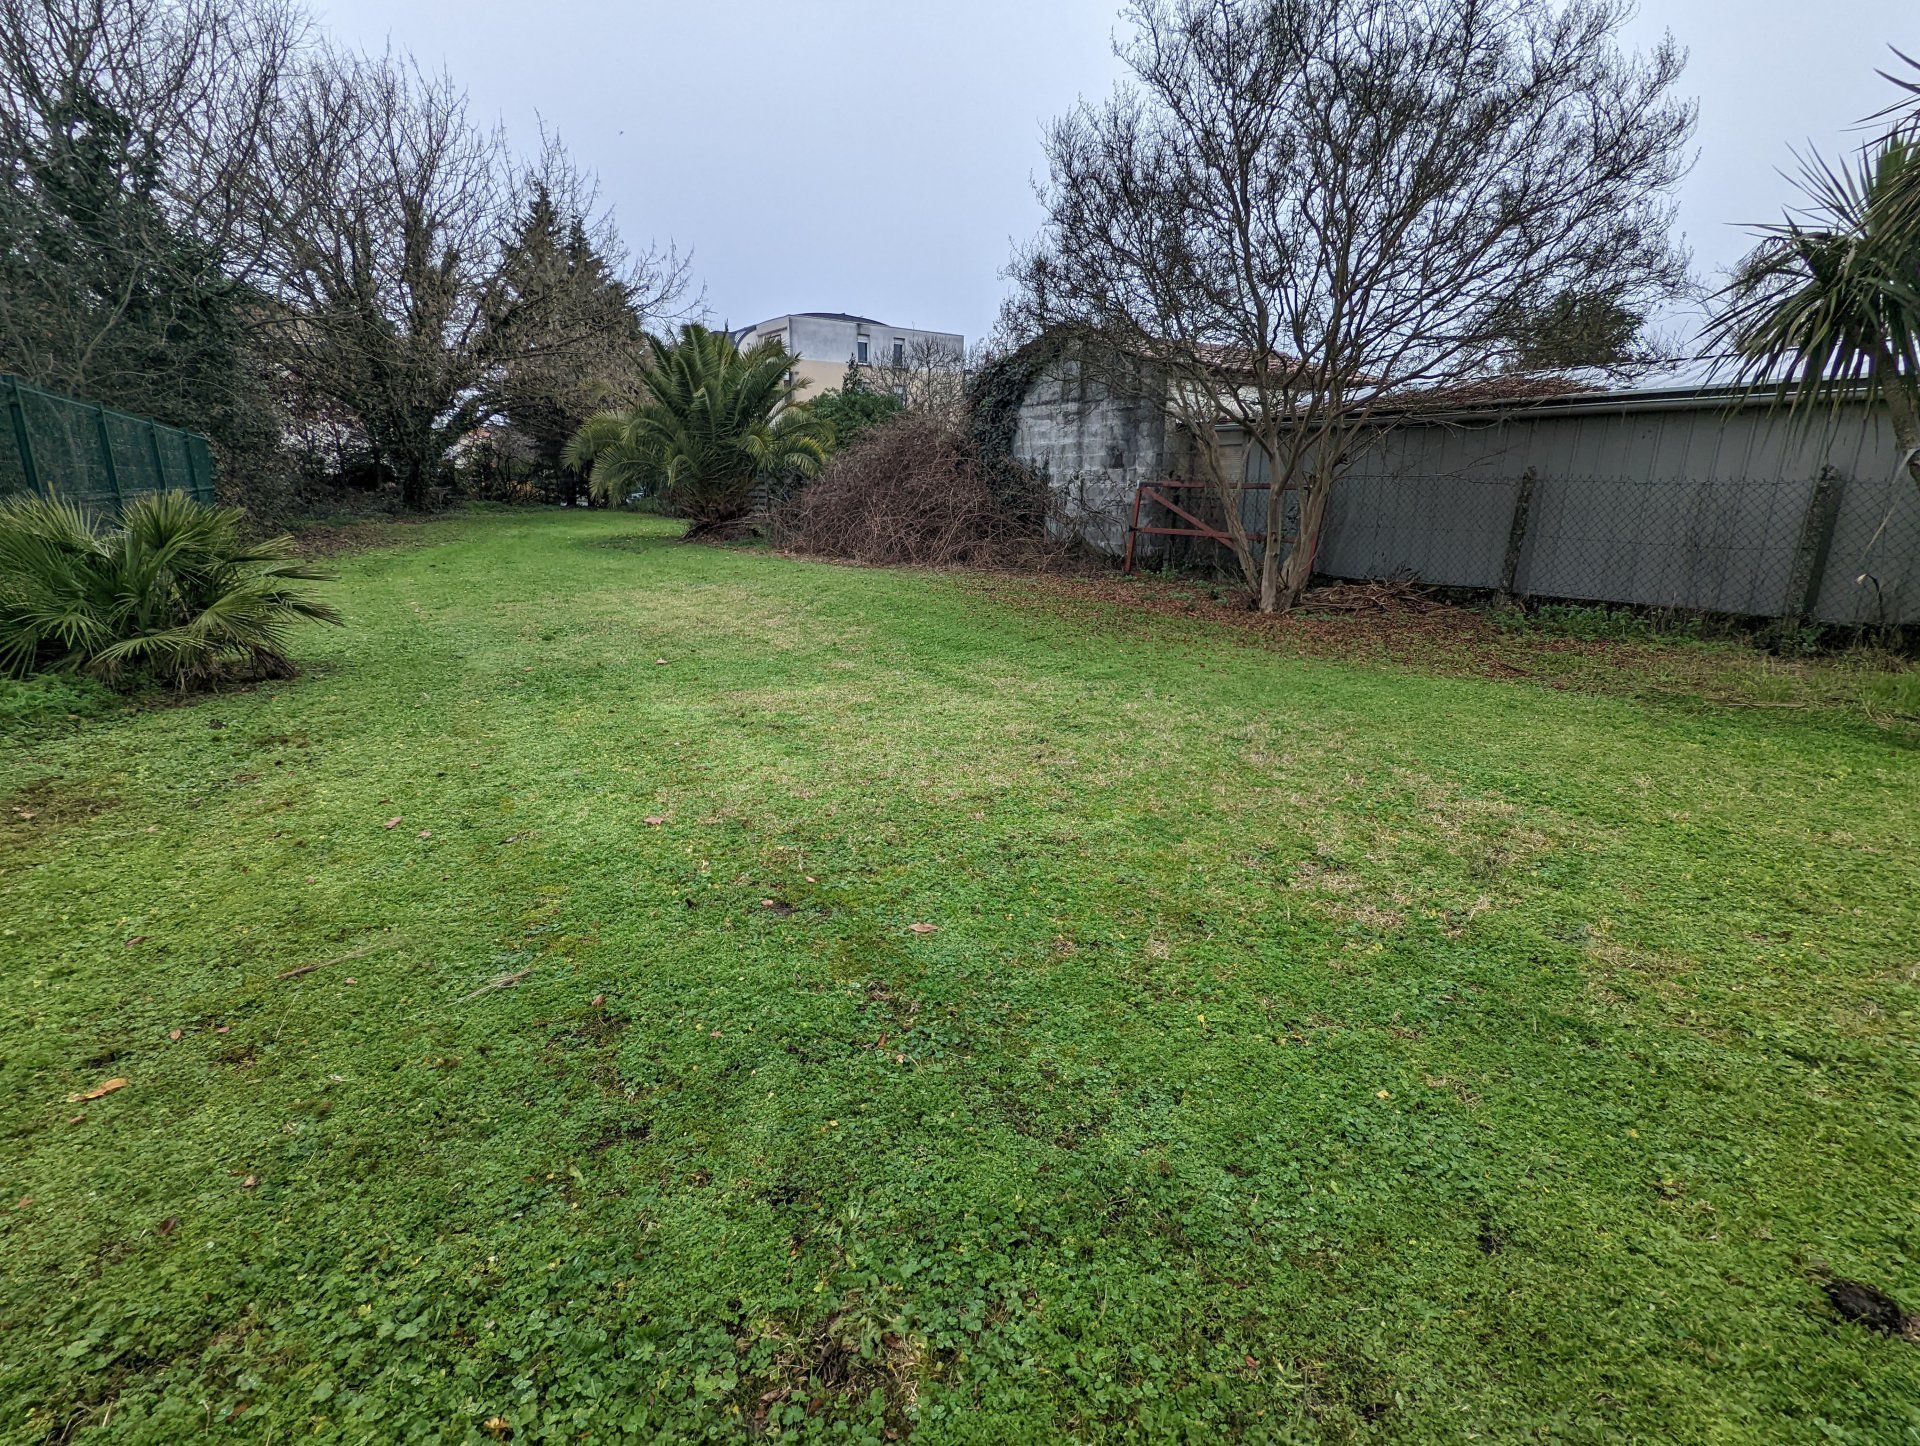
(928, 376)
(130, 133)
(389, 215)
(1300, 214)
(405, 294)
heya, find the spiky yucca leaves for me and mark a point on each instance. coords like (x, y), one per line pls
(1828, 305)
(172, 594)
(716, 422)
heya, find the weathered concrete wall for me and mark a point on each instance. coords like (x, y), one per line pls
(1096, 446)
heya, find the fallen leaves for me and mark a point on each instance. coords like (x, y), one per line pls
(654, 820)
(924, 928)
(250, 1182)
(393, 822)
(104, 1088)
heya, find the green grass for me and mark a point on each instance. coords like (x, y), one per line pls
(1306, 1047)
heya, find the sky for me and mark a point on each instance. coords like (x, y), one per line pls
(878, 156)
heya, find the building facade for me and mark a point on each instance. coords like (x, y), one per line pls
(825, 341)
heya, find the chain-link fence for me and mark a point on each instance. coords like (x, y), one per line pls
(93, 456)
(1693, 508)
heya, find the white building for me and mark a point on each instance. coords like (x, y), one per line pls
(825, 341)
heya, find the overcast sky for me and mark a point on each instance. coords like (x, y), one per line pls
(877, 157)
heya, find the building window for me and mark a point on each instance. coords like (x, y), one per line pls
(862, 358)
(899, 350)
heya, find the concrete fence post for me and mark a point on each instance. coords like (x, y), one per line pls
(1810, 553)
(1517, 532)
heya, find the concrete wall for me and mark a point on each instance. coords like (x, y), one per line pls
(1096, 447)
(1660, 500)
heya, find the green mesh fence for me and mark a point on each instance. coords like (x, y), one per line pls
(93, 456)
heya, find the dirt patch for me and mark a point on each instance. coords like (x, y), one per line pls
(835, 1365)
(589, 1044)
(1869, 1306)
(1345, 621)
(627, 1132)
(337, 539)
(598, 1028)
(238, 1055)
(48, 804)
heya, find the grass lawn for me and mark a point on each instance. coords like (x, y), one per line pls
(1302, 1046)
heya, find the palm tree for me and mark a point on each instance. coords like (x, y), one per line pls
(717, 422)
(1828, 305)
(173, 593)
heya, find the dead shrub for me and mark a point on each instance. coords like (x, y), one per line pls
(914, 491)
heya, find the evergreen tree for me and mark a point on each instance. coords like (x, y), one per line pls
(855, 407)
(103, 297)
(571, 335)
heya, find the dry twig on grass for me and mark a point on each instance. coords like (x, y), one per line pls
(326, 963)
(1400, 594)
(504, 981)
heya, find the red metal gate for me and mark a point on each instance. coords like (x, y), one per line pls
(1157, 492)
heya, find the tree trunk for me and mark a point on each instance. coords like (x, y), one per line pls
(1270, 559)
(1298, 571)
(413, 484)
(1906, 425)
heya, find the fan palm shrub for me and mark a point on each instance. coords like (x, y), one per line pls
(1828, 305)
(716, 423)
(172, 593)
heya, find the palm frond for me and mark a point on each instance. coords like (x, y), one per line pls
(716, 421)
(1827, 306)
(174, 592)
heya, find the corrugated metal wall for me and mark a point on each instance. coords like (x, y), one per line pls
(1640, 501)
